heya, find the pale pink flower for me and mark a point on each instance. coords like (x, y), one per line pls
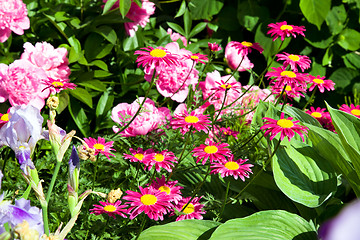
(234, 58)
(13, 18)
(148, 119)
(139, 16)
(174, 36)
(20, 82)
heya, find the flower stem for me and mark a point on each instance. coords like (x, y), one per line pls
(53, 179)
(44, 207)
(142, 226)
(225, 199)
(310, 99)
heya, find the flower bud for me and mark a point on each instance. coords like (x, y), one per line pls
(114, 195)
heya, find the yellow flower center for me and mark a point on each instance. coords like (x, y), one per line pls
(22, 147)
(165, 189)
(5, 117)
(293, 57)
(288, 74)
(355, 112)
(191, 119)
(57, 84)
(159, 53)
(284, 123)
(110, 208)
(139, 156)
(232, 165)
(99, 146)
(318, 81)
(246, 44)
(148, 199)
(210, 149)
(189, 209)
(159, 157)
(286, 27)
(316, 115)
(194, 57)
(287, 88)
(226, 86)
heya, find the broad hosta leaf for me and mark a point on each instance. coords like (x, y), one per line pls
(303, 175)
(181, 230)
(300, 115)
(267, 225)
(201, 9)
(349, 39)
(315, 11)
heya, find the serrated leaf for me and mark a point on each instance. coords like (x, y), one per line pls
(315, 11)
(267, 225)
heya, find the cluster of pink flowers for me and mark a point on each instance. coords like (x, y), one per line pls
(322, 116)
(13, 18)
(174, 36)
(42, 70)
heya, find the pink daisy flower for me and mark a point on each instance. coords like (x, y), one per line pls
(320, 83)
(57, 85)
(282, 77)
(354, 110)
(198, 58)
(152, 202)
(232, 168)
(155, 58)
(318, 113)
(285, 126)
(211, 150)
(246, 47)
(289, 92)
(282, 30)
(165, 159)
(185, 121)
(228, 132)
(100, 146)
(4, 118)
(224, 85)
(214, 47)
(193, 210)
(303, 62)
(169, 188)
(110, 209)
(139, 155)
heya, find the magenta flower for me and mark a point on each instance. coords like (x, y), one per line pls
(198, 58)
(194, 120)
(320, 83)
(155, 58)
(212, 151)
(214, 47)
(165, 159)
(234, 57)
(152, 202)
(174, 36)
(282, 30)
(228, 132)
(139, 16)
(169, 187)
(285, 126)
(233, 168)
(289, 92)
(246, 47)
(193, 210)
(57, 85)
(140, 155)
(303, 62)
(353, 110)
(100, 146)
(110, 209)
(281, 77)
(4, 118)
(13, 18)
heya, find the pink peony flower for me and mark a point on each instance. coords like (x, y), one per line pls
(148, 119)
(20, 82)
(234, 58)
(175, 36)
(139, 16)
(13, 18)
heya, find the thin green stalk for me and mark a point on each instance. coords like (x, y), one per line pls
(310, 99)
(53, 179)
(44, 208)
(225, 199)
(142, 226)
(95, 172)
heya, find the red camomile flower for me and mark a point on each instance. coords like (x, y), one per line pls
(152, 202)
(155, 58)
(246, 47)
(110, 209)
(211, 150)
(165, 159)
(193, 210)
(169, 188)
(282, 30)
(354, 110)
(198, 58)
(303, 62)
(318, 113)
(214, 47)
(185, 121)
(281, 77)
(57, 85)
(232, 168)
(320, 83)
(289, 92)
(100, 146)
(139, 155)
(285, 126)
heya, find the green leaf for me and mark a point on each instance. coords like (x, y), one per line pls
(108, 33)
(349, 39)
(342, 77)
(82, 95)
(201, 9)
(352, 60)
(177, 28)
(79, 116)
(249, 13)
(336, 19)
(315, 11)
(198, 28)
(302, 174)
(94, 84)
(327, 58)
(181, 9)
(124, 6)
(105, 104)
(187, 23)
(181, 230)
(301, 116)
(108, 5)
(267, 225)
(100, 64)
